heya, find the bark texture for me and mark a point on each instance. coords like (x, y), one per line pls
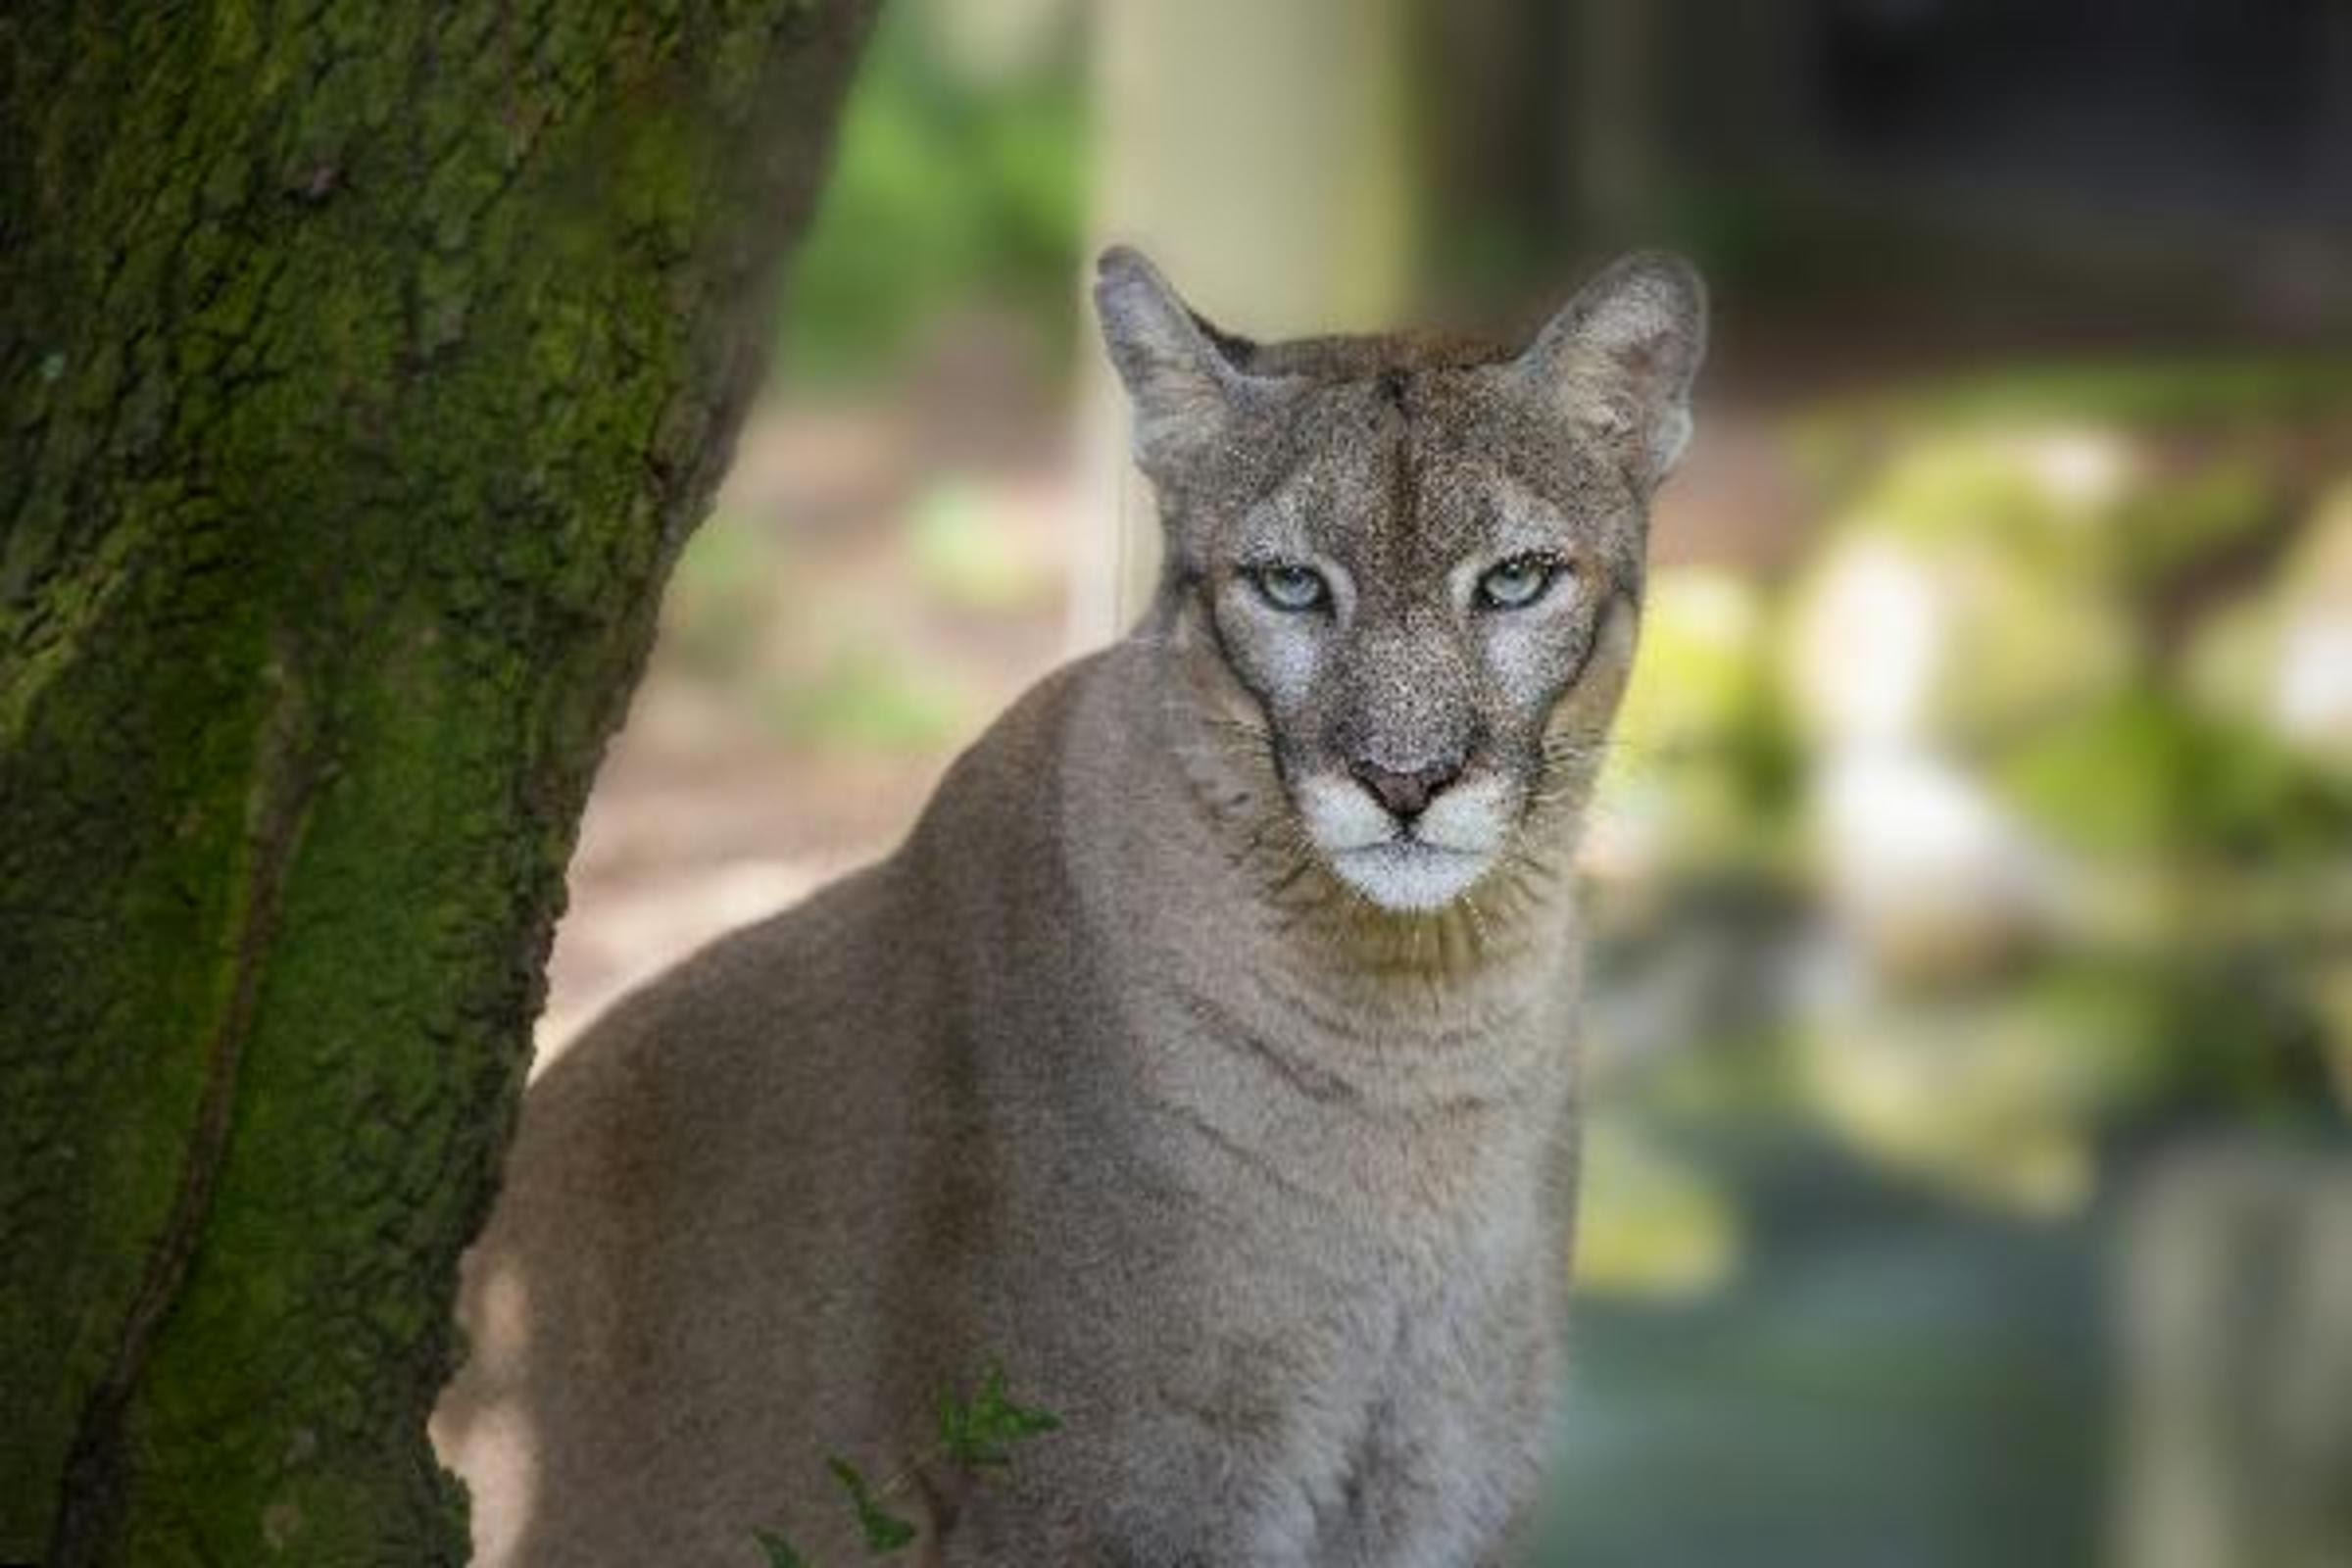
(362, 369)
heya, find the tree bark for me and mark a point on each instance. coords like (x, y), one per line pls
(362, 369)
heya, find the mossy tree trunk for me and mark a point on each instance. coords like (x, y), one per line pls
(362, 369)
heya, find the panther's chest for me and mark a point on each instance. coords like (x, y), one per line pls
(1441, 1428)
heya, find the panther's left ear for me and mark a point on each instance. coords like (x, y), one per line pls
(1618, 359)
(1184, 388)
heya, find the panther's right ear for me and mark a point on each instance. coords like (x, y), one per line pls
(1179, 378)
(1619, 360)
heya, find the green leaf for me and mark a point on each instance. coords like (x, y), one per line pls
(780, 1552)
(884, 1529)
(976, 1433)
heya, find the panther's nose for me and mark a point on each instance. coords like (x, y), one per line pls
(1407, 795)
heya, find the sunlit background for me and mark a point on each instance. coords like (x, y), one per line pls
(1968, 1180)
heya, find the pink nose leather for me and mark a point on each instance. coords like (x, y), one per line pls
(1405, 795)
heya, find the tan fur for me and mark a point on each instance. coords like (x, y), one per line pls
(1102, 1077)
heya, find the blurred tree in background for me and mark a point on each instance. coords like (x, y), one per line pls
(960, 185)
(361, 370)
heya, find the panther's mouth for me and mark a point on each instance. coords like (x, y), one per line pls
(1407, 873)
(1405, 863)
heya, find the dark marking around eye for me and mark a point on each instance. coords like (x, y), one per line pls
(1392, 388)
(1206, 601)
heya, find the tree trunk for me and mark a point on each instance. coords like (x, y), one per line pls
(362, 369)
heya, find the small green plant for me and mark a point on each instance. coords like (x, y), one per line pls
(884, 1530)
(971, 1435)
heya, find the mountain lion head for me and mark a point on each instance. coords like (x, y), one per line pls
(1404, 570)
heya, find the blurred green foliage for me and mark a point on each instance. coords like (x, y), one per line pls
(2088, 531)
(828, 682)
(721, 595)
(2067, 601)
(957, 547)
(2152, 392)
(864, 697)
(960, 183)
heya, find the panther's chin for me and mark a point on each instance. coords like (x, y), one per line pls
(1408, 876)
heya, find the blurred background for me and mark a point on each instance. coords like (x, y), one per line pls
(1970, 1027)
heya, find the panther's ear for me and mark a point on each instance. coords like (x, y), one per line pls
(1180, 377)
(1618, 359)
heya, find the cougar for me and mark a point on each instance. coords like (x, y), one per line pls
(1203, 1060)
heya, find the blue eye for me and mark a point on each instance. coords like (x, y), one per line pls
(1518, 582)
(1290, 588)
